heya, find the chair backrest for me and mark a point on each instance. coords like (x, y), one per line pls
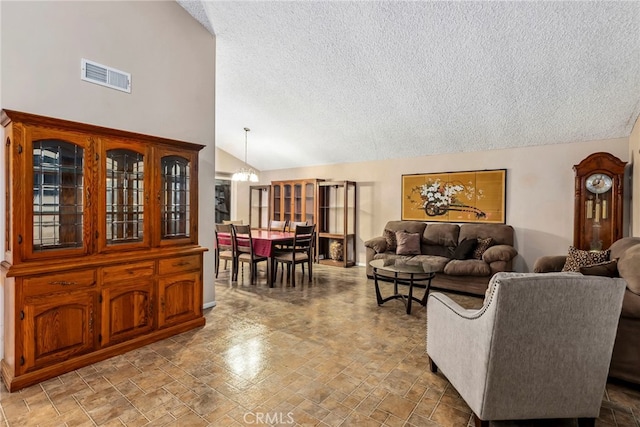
(242, 239)
(304, 237)
(294, 224)
(554, 332)
(224, 237)
(277, 225)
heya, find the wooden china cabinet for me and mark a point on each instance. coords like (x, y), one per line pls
(101, 248)
(294, 201)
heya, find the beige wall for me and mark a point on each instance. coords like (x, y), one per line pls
(539, 190)
(170, 56)
(634, 159)
(226, 165)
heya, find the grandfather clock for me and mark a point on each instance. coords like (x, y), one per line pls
(598, 201)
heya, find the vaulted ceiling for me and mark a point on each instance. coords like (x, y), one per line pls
(324, 82)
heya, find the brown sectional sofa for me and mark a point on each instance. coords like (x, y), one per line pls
(439, 240)
(625, 361)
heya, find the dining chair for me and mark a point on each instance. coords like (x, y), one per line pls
(294, 224)
(224, 246)
(278, 225)
(243, 251)
(232, 222)
(300, 252)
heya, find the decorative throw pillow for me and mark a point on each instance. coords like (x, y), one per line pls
(606, 269)
(408, 243)
(483, 245)
(465, 249)
(390, 237)
(578, 258)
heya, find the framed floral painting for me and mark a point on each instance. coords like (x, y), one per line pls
(473, 196)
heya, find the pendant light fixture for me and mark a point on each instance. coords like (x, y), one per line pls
(246, 173)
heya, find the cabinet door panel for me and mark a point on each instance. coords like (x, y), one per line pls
(57, 329)
(59, 193)
(125, 206)
(177, 198)
(180, 298)
(127, 311)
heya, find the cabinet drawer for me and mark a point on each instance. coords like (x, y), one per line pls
(118, 273)
(67, 281)
(178, 265)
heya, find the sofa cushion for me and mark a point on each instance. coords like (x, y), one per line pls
(579, 258)
(605, 269)
(445, 235)
(437, 250)
(437, 262)
(482, 246)
(499, 253)
(390, 238)
(501, 234)
(467, 267)
(408, 226)
(465, 248)
(408, 243)
(629, 268)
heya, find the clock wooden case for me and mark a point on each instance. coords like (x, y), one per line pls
(598, 201)
(101, 247)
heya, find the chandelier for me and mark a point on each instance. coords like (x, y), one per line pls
(246, 173)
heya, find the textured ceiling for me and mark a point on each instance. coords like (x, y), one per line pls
(322, 82)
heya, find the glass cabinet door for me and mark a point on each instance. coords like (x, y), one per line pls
(309, 205)
(277, 200)
(297, 202)
(176, 198)
(287, 202)
(58, 195)
(125, 196)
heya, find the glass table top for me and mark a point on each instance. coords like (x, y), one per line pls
(399, 265)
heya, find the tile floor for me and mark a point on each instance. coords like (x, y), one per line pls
(322, 354)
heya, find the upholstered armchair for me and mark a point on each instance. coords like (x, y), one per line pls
(538, 348)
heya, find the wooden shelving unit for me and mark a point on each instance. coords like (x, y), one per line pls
(336, 225)
(259, 202)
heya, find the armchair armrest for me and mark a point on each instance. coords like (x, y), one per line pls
(458, 342)
(378, 244)
(550, 263)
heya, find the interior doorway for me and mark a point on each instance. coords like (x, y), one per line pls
(223, 200)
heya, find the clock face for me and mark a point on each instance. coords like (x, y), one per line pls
(599, 183)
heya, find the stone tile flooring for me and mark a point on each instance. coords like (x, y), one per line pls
(319, 354)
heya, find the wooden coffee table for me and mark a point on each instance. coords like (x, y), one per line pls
(411, 273)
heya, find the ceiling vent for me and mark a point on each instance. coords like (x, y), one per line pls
(105, 76)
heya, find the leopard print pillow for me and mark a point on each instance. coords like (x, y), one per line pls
(483, 245)
(390, 237)
(578, 258)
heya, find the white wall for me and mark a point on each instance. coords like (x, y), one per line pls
(171, 58)
(540, 190)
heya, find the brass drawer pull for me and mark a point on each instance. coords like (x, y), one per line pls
(63, 283)
(181, 263)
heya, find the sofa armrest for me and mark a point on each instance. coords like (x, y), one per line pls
(499, 253)
(378, 244)
(549, 264)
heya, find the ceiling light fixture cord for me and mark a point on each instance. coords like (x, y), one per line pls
(245, 173)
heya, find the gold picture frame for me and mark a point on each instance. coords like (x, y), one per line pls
(471, 196)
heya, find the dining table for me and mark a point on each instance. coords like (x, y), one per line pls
(264, 244)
